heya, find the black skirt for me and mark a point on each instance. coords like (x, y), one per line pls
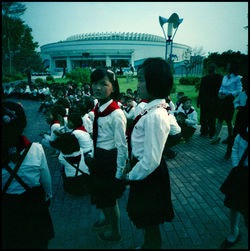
(235, 188)
(26, 221)
(225, 110)
(105, 189)
(149, 201)
(78, 186)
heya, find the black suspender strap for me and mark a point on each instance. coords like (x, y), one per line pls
(76, 167)
(13, 173)
(243, 157)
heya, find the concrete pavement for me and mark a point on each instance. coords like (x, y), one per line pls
(201, 220)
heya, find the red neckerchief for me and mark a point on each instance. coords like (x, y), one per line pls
(23, 142)
(143, 100)
(113, 106)
(81, 128)
(54, 122)
(129, 133)
(128, 109)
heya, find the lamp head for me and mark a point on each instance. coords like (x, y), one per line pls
(162, 20)
(174, 18)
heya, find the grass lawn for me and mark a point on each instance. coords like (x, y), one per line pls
(189, 90)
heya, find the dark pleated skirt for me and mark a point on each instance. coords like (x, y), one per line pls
(26, 221)
(225, 110)
(77, 186)
(105, 189)
(235, 188)
(149, 201)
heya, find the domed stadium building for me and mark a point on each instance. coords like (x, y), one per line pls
(107, 49)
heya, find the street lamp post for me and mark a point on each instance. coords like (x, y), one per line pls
(173, 23)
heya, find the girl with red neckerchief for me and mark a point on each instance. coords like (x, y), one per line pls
(149, 202)
(26, 185)
(110, 153)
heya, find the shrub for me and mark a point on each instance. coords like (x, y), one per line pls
(12, 77)
(189, 80)
(80, 75)
(50, 78)
(39, 80)
(6, 79)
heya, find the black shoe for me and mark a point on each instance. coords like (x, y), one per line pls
(104, 237)
(226, 141)
(215, 140)
(228, 244)
(171, 155)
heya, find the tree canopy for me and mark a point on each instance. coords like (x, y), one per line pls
(18, 48)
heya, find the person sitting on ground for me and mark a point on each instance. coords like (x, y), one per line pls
(174, 137)
(129, 109)
(85, 107)
(180, 95)
(77, 128)
(171, 107)
(54, 117)
(75, 172)
(189, 124)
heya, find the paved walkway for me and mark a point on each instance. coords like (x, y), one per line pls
(197, 172)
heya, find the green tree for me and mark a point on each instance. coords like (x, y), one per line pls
(11, 26)
(221, 60)
(18, 48)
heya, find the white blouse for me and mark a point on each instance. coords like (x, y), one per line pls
(33, 171)
(130, 114)
(85, 141)
(87, 123)
(112, 134)
(191, 119)
(231, 85)
(148, 139)
(70, 171)
(139, 108)
(238, 150)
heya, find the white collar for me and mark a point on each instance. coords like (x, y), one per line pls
(104, 106)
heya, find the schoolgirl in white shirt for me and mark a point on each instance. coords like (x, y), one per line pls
(26, 191)
(54, 117)
(189, 124)
(75, 172)
(110, 152)
(77, 128)
(174, 136)
(140, 106)
(129, 109)
(149, 202)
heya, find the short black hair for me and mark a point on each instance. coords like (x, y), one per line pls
(67, 143)
(102, 72)
(57, 110)
(158, 77)
(75, 117)
(13, 117)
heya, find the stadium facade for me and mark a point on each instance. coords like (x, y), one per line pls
(105, 49)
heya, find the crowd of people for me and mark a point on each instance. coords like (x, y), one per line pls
(105, 140)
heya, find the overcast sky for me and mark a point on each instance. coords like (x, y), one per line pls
(214, 26)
